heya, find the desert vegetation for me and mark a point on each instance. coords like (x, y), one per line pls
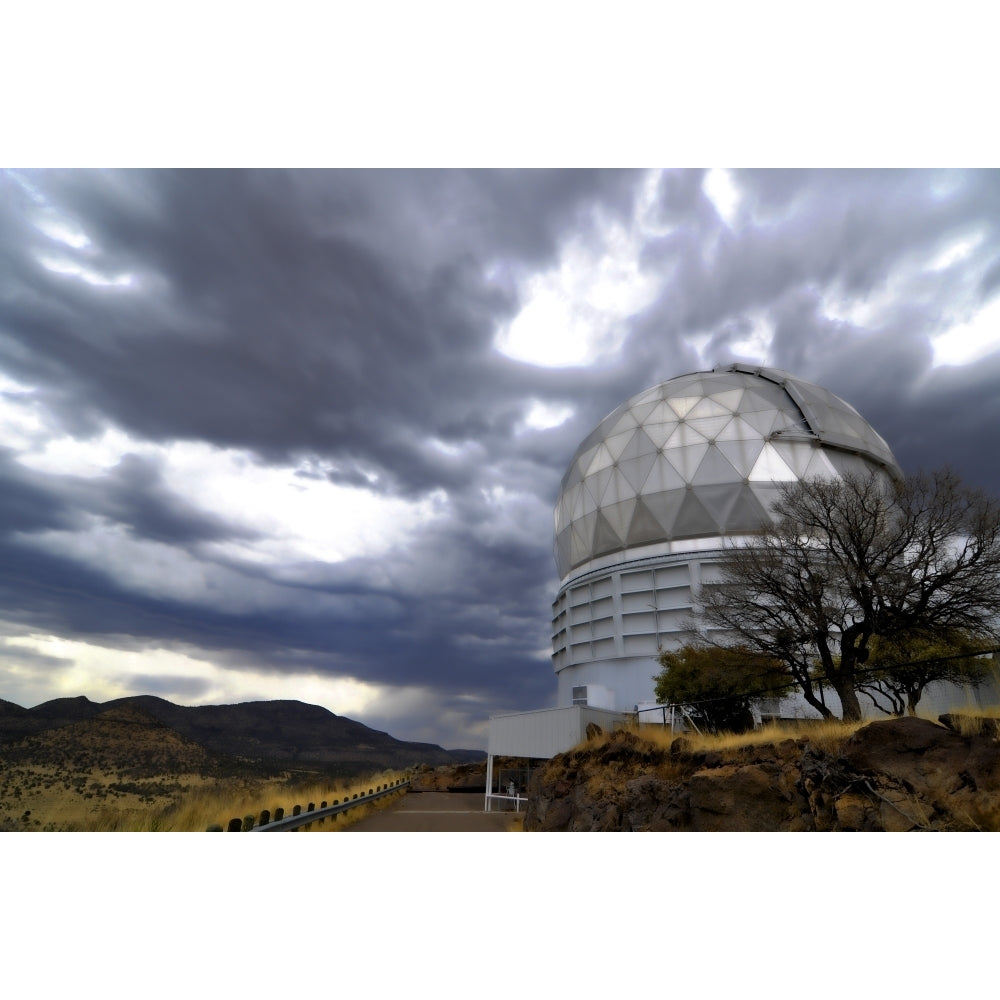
(40, 799)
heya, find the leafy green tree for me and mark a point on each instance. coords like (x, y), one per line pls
(719, 685)
(900, 668)
(848, 559)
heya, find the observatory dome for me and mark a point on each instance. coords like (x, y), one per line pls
(703, 455)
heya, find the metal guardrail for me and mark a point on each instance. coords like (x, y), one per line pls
(300, 817)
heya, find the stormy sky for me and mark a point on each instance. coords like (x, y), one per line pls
(299, 434)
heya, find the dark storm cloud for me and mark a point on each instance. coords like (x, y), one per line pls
(343, 324)
(135, 495)
(329, 312)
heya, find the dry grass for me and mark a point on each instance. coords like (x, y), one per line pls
(195, 805)
(199, 812)
(824, 734)
(977, 721)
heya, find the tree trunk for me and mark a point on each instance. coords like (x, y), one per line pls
(849, 703)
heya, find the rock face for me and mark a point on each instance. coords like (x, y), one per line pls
(895, 775)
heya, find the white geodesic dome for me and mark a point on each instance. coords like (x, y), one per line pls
(703, 455)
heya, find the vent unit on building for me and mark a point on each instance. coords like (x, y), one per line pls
(594, 696)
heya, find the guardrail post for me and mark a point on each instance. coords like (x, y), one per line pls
(235, 825)
(296, 810)
(248, 823)
(279, 813)
(265, 817)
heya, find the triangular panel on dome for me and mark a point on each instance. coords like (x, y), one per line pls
(788, 421)
(659, 434)
(616, 445)
(597, 484)
(730, 399)
(747, 513)
(710, 427)
(819, 465)
(660, 414)
(742, 455)
(626, 422)
(650, 395)
(601, 460)
(762, 421)
(564, 554)
(664, 507)
(795, 454)
(644, 528)
(562, 514)
(576, 501)
(643, 410)
(686, 460)
(663, 476)
(708, 407)
(583, 537)
(718, 499)
(636, 470)
(618, 489)
(682, 405)
(765, 396)
(771, 466)
(715, 467)
(693, 519)
(584, 457)
(683, 436)
(574, 475)
(605, 538)
(766, 494)
(619, 516)
(738, 430)
(640, 444)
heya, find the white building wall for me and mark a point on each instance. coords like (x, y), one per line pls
(610, 621)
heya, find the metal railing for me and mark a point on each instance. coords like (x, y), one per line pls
(280, 823)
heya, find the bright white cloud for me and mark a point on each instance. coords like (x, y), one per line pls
(723, 193)
(62, 230)
(967, 342)
(541, 416)
(575, 313)
(74, 269)
(757, 343)
(955, 252)
(299, 517)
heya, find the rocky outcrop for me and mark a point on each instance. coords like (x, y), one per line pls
(894, 775)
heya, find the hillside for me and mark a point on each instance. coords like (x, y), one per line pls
(892, 775)
(73, 764)
(271, 734)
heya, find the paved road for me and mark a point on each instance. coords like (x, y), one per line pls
(436, 812)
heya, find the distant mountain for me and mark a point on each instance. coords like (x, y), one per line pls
(121, 739)
(271, 734)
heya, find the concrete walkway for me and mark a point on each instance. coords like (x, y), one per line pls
(436, 812)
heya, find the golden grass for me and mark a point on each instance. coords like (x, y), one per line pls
(824, 733)
(194, 813)
(976, 721)
(213, 803)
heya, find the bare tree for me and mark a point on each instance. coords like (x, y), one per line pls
(847, 559)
